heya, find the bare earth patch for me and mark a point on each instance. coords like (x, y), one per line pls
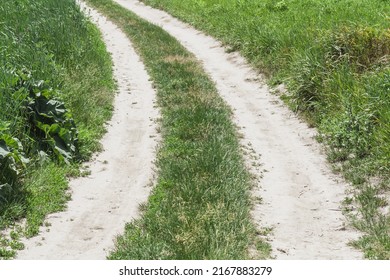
(120, 176)
(301, 196)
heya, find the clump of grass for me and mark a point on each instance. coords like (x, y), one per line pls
(363, 47)
(61, 53)
(334, 58)
(199, 208)
(372, 221)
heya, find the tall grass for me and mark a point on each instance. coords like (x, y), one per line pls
(334, 57)
(47, 46)
(54, 41)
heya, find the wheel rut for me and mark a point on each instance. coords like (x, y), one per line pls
(301, 196)
(120, 176)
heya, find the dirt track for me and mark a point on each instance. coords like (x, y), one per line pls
(301, 196)
(110, 196)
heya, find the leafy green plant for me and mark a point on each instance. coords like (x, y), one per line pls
(11, 160)
(351, 135)
(50, 123)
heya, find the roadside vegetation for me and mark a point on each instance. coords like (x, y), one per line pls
(199, 208)
(56, 91)
(334, 58)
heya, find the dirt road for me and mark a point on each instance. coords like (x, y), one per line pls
(301, 196)
(103, 201)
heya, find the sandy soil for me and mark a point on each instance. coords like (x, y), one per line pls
(301, 196)
(120, 176)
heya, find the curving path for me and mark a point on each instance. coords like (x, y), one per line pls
(301, 196)
(120, 176)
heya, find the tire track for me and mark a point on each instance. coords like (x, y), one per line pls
(109, 197)
(301, 196)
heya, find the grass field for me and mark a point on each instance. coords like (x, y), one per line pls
(333, 56)
(56, 91)
(199, 208)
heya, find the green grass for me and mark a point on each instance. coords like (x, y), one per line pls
(199, 208)
(53, 42)
(376, 240)
(334, 58)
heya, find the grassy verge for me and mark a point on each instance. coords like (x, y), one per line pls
(56, 91)
(333, 56)
(199, 208)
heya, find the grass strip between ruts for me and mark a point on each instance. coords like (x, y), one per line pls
(200, 206)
